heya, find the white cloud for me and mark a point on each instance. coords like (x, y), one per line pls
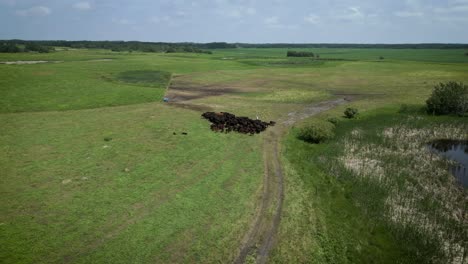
(271, 20)
(123, 21)
(452, 9)
(82, 6)
(251, 11)
(8, 2)
(234, 11)
(312, 19)
(35, 11)
(408, 14)
(274, 22)
(455, 12)
(352, 13)
(181, 13)
(157, 20)
(455, 19)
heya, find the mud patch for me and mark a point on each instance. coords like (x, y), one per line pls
(194, 107)
(26, 62)
(180, 94)
(146, 78)
(99, 60)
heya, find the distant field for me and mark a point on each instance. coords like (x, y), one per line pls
(426, 55)
(93, 171)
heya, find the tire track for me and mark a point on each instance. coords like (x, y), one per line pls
(260, 238)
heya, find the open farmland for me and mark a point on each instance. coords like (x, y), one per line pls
(97, 168)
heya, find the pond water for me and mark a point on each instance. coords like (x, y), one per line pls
(456, 150)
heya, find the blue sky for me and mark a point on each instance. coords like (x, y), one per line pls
(252, 21)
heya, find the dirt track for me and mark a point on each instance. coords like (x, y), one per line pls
(260, 237)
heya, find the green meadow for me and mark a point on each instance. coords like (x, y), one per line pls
(96, 168)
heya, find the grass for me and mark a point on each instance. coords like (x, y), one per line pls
(422, 55)
(147, 195)
(93, 172)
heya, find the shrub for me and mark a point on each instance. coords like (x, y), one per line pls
(317, 131)
(351, 112)
(381, 58)
(333, 120)
(448, 98)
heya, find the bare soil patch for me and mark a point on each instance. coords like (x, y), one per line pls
(26, 62)
(98, 60)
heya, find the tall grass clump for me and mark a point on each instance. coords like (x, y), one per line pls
(397, 180)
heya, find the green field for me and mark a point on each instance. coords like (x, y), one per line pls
(96, 168)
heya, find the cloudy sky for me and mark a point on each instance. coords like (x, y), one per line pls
(253, 21)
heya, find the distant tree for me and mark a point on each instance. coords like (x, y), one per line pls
(292, 53)
(9, 48)
(31, 46)
(466, 53)
(189, 49)
(219, 45)
(448, 98)
(381, 58)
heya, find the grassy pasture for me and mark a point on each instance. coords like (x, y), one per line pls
(424, 55)
(93, 172)
(146, 195)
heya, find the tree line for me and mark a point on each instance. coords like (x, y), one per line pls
(48, 45)
(17, 45)
(11, 47)
(358, 46)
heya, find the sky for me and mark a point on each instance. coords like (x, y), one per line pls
(247, 21)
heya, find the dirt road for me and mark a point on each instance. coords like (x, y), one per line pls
(260, 237)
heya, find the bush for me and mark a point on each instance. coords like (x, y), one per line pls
(351, 112)
(333, 120)
(448, 98)
(317, 131)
